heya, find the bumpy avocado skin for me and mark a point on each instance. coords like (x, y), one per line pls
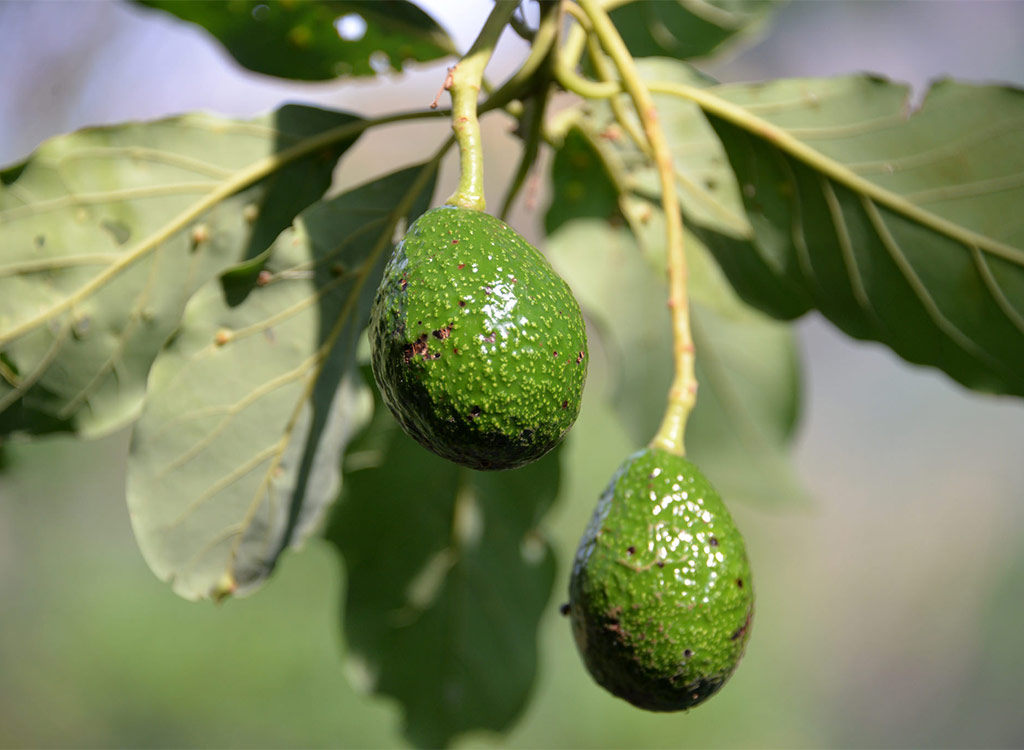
(660, 597)
(479, 347)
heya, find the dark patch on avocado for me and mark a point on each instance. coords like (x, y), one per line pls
(742, 630)
(417, 348)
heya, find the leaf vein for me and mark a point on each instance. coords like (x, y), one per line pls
(21, 388)
(995, 290)
(145, 154)
(230, 411)
(842, 233)
(953, 147)
(850, 130)
(109, 196)
(64, 261)
(967, 189)
(225, 481)
(780, 138)
(941, 322)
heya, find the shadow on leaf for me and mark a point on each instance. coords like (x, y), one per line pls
(447, 579)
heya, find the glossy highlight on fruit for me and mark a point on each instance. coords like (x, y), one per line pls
(660, 597)
(479, 347)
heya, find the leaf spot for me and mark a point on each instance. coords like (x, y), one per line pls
(119, 231)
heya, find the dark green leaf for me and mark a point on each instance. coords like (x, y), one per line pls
(687, 28)
(830, 194)
(316, 40)
(582, 184)
(902, 228)
(237, 451)
(107, 233)
(447, 579)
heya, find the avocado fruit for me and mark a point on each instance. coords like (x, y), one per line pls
(478, 347)
(660, 597)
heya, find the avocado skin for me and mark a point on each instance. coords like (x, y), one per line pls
(479, 347)
(660, 597)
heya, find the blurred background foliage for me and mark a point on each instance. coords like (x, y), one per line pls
(889, 610)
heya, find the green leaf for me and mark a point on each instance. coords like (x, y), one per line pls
(107, 232)
(447, 579)
(304, 40)
(740, 430)
(900, 227)
(687, 28)
(236, 453)
(582, 181)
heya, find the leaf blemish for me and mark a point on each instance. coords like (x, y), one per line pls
(119, 231)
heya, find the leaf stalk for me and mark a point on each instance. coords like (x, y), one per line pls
(466, 81)
(683, 391)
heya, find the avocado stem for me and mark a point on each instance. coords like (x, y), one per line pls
(683, 393)
(466, 80)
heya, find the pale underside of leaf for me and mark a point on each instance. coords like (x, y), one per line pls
(107, 232)
(236, 455)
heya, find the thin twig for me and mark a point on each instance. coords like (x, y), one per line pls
(446, 86)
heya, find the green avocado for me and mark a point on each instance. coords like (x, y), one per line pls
(660, 597)
(479, 347)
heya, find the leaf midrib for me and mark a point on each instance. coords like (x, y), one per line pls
(241, 180)
(835, 170)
